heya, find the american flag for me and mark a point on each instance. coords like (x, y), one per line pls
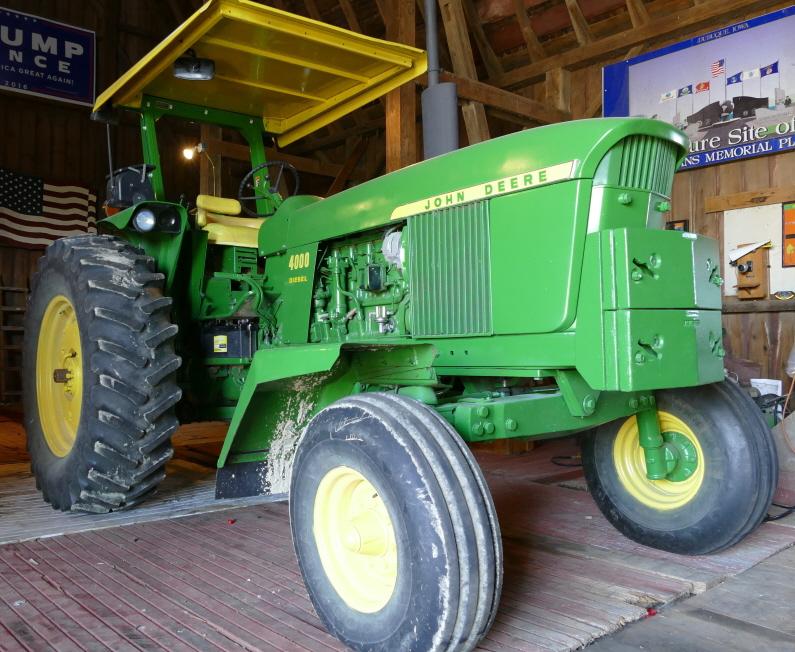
(33, 213)
(719, 68)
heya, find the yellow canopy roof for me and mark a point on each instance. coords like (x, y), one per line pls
(298, 74)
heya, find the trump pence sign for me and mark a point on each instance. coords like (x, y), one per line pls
(46, 58)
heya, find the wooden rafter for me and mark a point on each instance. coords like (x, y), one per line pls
(490, 60)
(534, 48)
(351, 162)
(638, 13)
(455, 27)
(578, 22)
(225, 149)
(497, 98)
(350, 15)
(660, 27)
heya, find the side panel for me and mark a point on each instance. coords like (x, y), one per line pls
(537, 238)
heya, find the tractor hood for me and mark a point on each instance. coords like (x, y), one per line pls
(298, 74)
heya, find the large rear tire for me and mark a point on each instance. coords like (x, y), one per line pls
(99, 375)
(714, 504)
(394, 528)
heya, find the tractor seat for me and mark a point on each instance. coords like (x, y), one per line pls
(220, 218)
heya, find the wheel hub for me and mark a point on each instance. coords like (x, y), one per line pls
(355, 539)
(683, 457)
(59, 375)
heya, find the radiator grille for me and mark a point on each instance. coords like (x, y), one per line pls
(648, 163)
(450, 272)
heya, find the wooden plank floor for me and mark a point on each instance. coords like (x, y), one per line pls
(752, 611)
(228, 580)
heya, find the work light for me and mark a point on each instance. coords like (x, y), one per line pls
(144, 220)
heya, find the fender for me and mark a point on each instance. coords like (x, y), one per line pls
(287, 385)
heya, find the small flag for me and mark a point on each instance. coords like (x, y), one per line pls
(702, 87)
(686, 90)
(668, 96)
(719, 68)
(734, 79)
(751, 74)
(772, 69)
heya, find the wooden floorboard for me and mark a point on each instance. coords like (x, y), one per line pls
(227, 579)
(749, 612)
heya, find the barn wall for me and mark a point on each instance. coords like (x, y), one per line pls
(762, 337)
(57, 140)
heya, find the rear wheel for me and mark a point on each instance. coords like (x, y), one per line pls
(720, 488)
(394, 528)
(99, 369)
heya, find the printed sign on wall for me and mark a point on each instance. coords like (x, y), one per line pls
(46, 58)
(731, 90)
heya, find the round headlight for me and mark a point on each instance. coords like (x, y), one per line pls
(144, 220)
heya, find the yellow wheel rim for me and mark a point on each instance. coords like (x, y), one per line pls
(630, 464)
(355, 539)
(59, 375)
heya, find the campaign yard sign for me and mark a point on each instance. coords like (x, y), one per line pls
(46, 58)
(732, 90)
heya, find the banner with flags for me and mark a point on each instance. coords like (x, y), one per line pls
(730, 90)
(34, 213)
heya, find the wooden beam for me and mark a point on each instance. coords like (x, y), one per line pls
(345, 172)
(350, 16)
(664, 26)
(777, 195)
(476, 91)
(401, 103)
(578, 22)
(638, 13)
(534, 48)
(225, 149)
(558, 89)
(460, 48)
(490, 60)
(594, 107)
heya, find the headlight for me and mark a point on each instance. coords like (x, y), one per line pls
(144, 220)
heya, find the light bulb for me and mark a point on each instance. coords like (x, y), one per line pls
(189, 153)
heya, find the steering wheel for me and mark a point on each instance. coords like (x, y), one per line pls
(248, 184)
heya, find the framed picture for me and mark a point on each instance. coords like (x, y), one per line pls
(788, 234)
(678, 225)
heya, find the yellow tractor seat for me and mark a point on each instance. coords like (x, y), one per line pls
(219, 217)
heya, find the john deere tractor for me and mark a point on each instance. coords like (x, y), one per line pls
(521, 287)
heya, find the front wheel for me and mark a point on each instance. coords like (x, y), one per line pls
(719, 490)
(394, 528)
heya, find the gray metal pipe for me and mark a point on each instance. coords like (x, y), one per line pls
(439, 101)
(432, 41)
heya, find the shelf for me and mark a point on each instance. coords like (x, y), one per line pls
(735, 306)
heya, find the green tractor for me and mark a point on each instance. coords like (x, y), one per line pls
(522, 287)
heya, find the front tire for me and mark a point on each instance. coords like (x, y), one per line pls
(714, 503)
(99, 375)
(394, 529)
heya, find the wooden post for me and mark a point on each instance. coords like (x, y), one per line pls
(558, 89)
(401, 109)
